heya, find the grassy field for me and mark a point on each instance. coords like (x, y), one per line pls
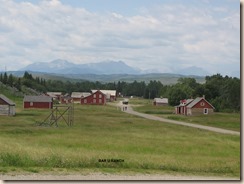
(229, 121)
(104, 132)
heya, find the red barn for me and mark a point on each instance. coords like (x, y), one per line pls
(76, 96)
(96, 98)
(43, 102)
(194, 107)
(110, 94)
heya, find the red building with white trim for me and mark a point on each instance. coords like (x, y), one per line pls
(96, 98)
(194, 107)
(77, 96)
(110, 94)
(42, 102)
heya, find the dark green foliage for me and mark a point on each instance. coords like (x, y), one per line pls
(176, 94)
(5, 78)
(10, 80)
(222, 92)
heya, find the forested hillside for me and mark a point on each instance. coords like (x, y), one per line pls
(222, 92)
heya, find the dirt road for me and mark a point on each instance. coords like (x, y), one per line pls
(129, 109)
(104, 177)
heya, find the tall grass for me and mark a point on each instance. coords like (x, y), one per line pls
(103, 132)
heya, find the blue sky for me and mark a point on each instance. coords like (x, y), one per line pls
(156, 35)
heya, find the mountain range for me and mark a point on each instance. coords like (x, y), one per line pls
(65, 67)
(60, 66)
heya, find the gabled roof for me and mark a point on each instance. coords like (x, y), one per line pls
(185, 102)
(80, 94)
(42, 98)
(197, 100)
(93, 94)
(54, 94)
(194, 102)
(7, 100)
(106, 92)
(161, 100)
(94, 91)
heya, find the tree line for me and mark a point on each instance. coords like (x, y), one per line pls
(222, 92)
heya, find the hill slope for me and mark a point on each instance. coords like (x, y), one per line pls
(164, 78)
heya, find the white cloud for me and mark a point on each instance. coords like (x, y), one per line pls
(161, 37)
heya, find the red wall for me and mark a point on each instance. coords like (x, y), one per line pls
(90, 99)
(206, 105)
(42, 105)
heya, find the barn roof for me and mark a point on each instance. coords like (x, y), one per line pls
(80, 94)
(184, 102)
(42, 98)
(106, 92)
(7, 100)
(161, 100)
(54, 94)
(197, 100)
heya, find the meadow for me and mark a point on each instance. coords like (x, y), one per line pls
(105, 139)
(229, 121)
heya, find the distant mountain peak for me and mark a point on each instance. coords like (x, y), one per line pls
(61, 66)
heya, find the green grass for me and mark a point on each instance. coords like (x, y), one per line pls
(103, 132)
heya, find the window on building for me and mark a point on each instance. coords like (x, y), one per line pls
(94, 101)
(100, 95)
(100, 101)
(202, 103)
(31, 103)
(85, 100)
(94, 96)
(205, 111)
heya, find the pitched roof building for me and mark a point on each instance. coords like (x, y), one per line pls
(7, 106)
(110, 94)
(96, 98)
(76, 96)
(195, 106)
(42, 101)
(160, 101)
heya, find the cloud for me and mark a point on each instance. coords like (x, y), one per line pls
(162, 37)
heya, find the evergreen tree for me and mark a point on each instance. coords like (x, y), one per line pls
(18, 84)
(10, 80)
(5, 78)
(1, 77)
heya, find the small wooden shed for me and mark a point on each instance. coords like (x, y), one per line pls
(7, 107)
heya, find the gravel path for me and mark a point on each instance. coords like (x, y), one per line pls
(151, 117)
(101, 176)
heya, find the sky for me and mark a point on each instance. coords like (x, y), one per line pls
(155, 35)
